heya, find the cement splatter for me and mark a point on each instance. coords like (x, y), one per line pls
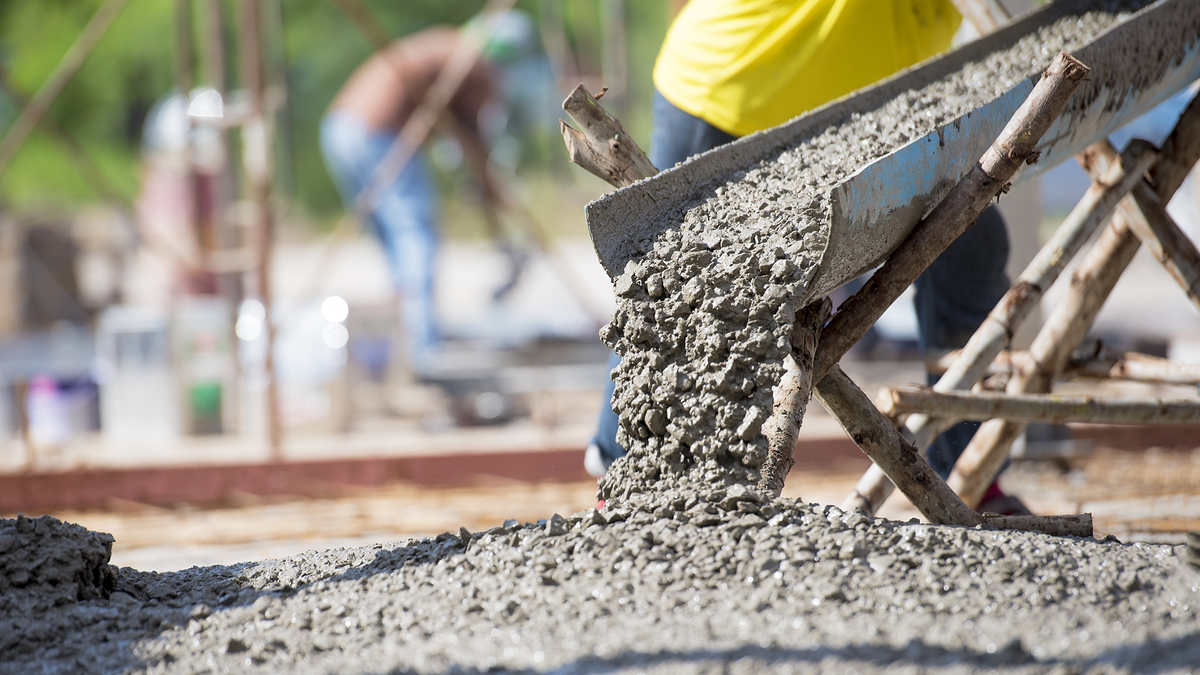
(704, 315)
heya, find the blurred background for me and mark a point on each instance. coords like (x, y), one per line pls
(204, 351)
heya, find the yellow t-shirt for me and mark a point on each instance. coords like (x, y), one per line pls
(747, 65)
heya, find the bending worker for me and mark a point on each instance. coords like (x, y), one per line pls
(728, 68)
(366, 119)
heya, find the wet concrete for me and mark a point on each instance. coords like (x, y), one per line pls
(705, 308)
(716, 581)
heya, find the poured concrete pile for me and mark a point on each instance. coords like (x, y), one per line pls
(45, 562)
(699, 583)
(704, 314)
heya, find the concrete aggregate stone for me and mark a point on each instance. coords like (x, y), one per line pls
(695, 582)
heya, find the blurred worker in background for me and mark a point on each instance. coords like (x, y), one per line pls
(728, 68)
(365, 119)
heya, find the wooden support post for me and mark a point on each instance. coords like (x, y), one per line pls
(963, 405)
(70, 64)
(256, 135)
(954, 214)
(1090, 286)
(949, 219)
(1166, 242)
(996, 331)
(879, 439)
(600, 144)
(1077, 525)
(788, 411)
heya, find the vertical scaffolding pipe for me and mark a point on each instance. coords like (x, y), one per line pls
(256, 156)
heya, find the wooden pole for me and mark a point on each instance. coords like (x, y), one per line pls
(1077, 525)
(963, 405)
(1129, 366)
(950, 218)
(600, 144)
(256, 155)
(1018, 303)
(1090, 286)
(956, 212)
(70, 64)
(879, 439)
(797, 388)
(1096, 206)
(1175, 160)
(1166, 242)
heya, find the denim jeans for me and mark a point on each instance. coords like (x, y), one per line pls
(404, 219)
(952, 298)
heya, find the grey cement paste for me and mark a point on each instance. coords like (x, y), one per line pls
(715, 581)
(704, 315)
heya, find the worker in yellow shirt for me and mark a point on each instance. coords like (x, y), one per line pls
(728, 68)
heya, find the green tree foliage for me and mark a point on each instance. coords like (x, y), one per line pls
(133, 66)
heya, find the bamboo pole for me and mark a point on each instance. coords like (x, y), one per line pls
(66, 69)
(1090, 286)
(963, 405)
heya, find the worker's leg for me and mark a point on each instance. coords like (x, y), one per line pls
(404, 220)
(676, 136)
(952, 298)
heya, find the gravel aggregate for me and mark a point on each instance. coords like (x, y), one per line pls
(712, 582)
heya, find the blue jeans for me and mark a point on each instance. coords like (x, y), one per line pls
(953, 296)
(404, 219)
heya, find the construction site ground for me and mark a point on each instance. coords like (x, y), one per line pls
(1147, 495)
